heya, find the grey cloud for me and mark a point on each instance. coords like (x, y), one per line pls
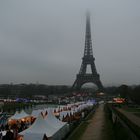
(44, 40)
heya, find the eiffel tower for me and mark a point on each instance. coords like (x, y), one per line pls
(88, 59)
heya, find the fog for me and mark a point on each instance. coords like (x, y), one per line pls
(43, 40)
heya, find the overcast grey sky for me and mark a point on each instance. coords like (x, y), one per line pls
(43, 40)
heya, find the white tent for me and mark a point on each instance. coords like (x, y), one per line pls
(40, 128)
(15, 115)
(33, 136)
(20, 115)
(62, 127)
(53, 120)
(64, 113)
(35, 113)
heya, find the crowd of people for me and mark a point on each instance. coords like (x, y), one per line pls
(10, 132)
(9, 135)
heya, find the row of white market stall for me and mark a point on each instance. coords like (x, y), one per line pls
(46, 125)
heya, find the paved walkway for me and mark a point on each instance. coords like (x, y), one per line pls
(94, 129)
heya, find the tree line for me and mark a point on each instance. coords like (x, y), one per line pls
(29, 90)
(131, 93)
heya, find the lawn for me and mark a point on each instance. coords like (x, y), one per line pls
(108, 133)
(77, 134)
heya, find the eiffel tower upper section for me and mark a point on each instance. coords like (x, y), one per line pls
(88, 43)
(87, 59)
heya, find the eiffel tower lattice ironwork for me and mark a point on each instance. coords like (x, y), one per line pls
(88, 59)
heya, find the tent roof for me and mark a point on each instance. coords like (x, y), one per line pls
(64, 113)
(53, 121)
(28, 136)
(20, 115)
(35, 113)
(40, 126)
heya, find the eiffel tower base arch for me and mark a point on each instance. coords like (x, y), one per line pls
(87, 78)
